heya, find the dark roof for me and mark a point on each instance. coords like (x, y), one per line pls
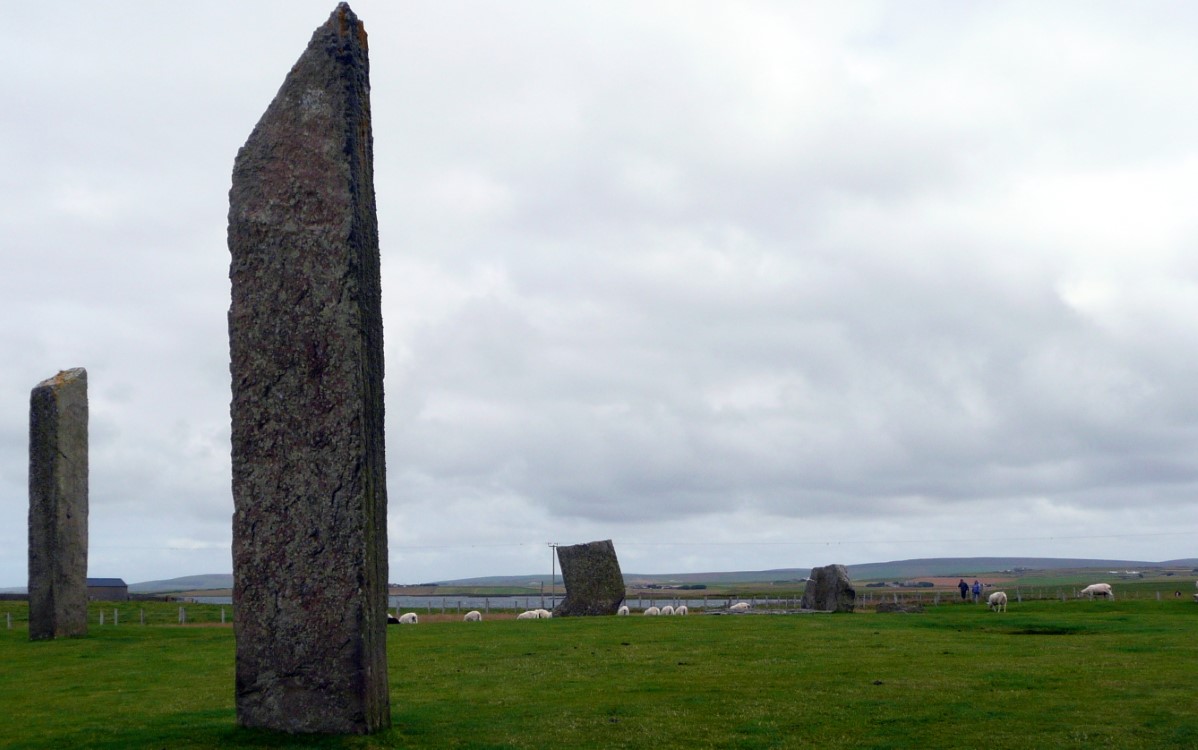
(105, 582)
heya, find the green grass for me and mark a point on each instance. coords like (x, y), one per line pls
(1045, 675)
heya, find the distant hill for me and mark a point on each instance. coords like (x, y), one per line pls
(894, 570)
(962, 566)
(186, 583)
(882, 571)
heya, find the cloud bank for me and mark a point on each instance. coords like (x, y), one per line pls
(737, 286)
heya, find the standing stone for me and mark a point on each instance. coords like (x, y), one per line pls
(829, 590)
(58, 506)
(594, 584)
(306, 346)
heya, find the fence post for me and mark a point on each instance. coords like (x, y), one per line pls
(9, 615)
(182, 616)
(222, 615)
(101, 618)
(487, 605)
(116, 616)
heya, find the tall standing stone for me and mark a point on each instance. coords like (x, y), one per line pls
(58, 506)
(594, 583)
(306, 344)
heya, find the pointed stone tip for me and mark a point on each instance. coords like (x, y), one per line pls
(345, 21)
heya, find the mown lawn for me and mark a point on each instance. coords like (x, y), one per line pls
(1045, 675)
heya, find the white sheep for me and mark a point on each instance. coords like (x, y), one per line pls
(543, 614)
(408, 618)
(531, 614)
(623, 610)
(997, 601)
(1098, 589)
(681, 610)
(667, 610)
(473, 616)
(652, 612)
(739, 607)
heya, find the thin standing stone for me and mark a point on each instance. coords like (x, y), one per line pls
(58, 506)
(306, 345)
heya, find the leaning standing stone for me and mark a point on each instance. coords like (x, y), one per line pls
(58, 506)
(594, 584)
(306, 344)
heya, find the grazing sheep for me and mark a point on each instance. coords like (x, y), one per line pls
(652, 612)
(681, 610)
(392, 619)
(473, 616)
(997, 601)
(623, 610)
(739, 607)
(531, 614)
(667, 610)
(543, 614)
(1098, 589)
(408, 618)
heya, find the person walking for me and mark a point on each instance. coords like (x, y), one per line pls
(977, 591)
(964, 589)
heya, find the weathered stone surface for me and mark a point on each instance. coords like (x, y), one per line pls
(58, 506)
(594, 583)
(830, 590)
(306, 346)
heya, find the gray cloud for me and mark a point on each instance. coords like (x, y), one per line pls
(738, 286)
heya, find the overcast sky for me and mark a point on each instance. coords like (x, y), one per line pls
(737, 285)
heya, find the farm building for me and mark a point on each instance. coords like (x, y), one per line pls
(107, 589)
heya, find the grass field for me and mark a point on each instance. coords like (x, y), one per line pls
(1046, 674)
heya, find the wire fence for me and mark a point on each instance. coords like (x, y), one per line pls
(14, 614)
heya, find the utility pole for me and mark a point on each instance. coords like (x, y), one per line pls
(552, 568)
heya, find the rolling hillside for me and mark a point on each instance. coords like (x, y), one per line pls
(894, 570)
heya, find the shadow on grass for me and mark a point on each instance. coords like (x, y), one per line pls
(207, 729)
(1048, 630)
